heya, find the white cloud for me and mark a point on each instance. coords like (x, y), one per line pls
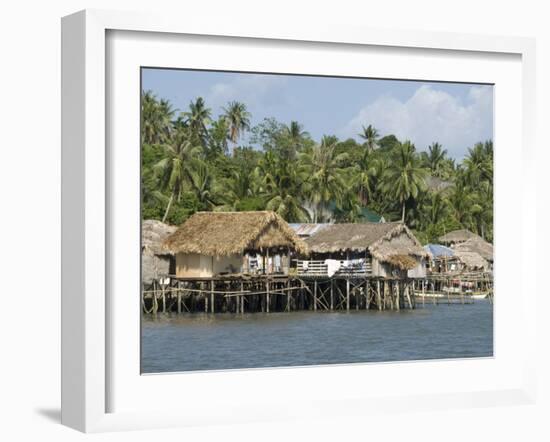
(431, 115)
(256, 91)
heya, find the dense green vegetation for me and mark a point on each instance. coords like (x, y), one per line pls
(193, 161)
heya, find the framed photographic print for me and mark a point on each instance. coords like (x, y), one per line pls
(282, 219)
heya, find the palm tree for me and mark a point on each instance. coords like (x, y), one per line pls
(435, 158)
(238, 120)
(479, 163)
(198, 118)
(461, 202)
(280, 182)
(219, 134)
(322, 167)
(235, 189)
(202, 184)
(370, 135)
(435, 210)
(156, 119)
(175, 169)
(366, 170)
(404, 178)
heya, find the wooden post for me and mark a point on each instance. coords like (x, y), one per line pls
(288, 295)
(178, 298)
(315, 295)
(423, 292)
(267, 297)
(212, 296)
(241, 299)
(378, 295)
(347, 294)
(397, 300)
(331, 294)
(409, 297)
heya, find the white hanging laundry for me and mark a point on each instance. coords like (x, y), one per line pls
(333, 265)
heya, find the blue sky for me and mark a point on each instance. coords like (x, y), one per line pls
(456, 115)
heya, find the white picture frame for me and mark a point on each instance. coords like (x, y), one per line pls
(87, 319)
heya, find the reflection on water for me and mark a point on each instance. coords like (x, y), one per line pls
(223, 341)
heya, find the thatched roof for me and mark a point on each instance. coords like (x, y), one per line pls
(472, 260)
(476, 245)
(227, 233)
(457, 236)
(387, 242)
(153, 234)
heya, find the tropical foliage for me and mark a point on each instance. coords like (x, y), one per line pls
(193, 160)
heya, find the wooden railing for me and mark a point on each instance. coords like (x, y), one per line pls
(319, 268)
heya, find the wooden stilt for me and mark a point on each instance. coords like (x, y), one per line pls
(347, 294)
(212, 296)
(331, 294)
(397, 289)
(409, 298)
(288, 296)
(241, 298)
(267, 298)
(315, 295)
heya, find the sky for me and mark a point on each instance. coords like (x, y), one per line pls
(456, 115)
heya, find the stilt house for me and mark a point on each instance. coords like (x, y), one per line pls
(368, 249)
(222, 243)
(155, 261)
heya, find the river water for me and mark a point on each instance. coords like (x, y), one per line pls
(224, 341)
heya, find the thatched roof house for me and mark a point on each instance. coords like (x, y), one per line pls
(155, 261)
(476, 245)
(457, 236)
(472, 260)
(209, 243)
(388, 244)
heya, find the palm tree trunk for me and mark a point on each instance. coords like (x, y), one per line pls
(403, 213)
(168, 207)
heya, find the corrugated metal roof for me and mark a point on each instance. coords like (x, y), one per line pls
(307, 229)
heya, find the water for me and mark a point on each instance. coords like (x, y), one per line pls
(224, 341)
